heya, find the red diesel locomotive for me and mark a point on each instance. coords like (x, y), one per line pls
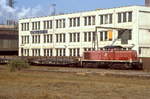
(112, 57)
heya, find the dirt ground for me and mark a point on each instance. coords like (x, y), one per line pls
(57, 85)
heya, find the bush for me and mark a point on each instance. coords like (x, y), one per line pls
(17, 64)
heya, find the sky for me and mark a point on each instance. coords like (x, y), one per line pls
(66, 6)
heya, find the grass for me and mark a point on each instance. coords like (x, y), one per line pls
(50, 85)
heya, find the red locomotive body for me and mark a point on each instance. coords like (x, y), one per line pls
(112, 57)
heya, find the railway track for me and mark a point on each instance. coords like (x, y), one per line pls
(88, 71)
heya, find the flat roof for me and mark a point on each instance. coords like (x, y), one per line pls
(98, 9)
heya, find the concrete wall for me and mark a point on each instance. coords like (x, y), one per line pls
(144, 32)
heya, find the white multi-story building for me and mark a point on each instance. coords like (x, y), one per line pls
(72, 34)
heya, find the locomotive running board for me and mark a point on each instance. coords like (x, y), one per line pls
(110, 61)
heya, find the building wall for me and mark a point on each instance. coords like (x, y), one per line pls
(144, 33)
(8, 41)
(55, 48)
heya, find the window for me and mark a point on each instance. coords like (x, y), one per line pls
(85, 36)
(124, 17)
(74, 22)
(25, 52)
(129, 16)
(120, 32)
(78, 37)
(25, 39)
(74, 37)
(64, 37)
(48, 24)
(60, 23)
(56, 37)
(35, 52)
(106, 19)
(60, 38)
(119, 17)
(85, 21)
(70, 20)
(93, 20)
(24, 26)
(60, 52)
(48, 52)
(32, 25)
(70, 35)
(89, 20)
(74, 52)
(36, 39)
(110, 18)
(36, 25)
(89, 36)
(39, 25)
(94, 36)
(64, 25)
(104, 36)
(124, 36)
(101, 19)
(78, 21)
(101, 36)
(48, 38)
(56, 23)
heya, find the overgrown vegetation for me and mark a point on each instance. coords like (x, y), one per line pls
(17, 65)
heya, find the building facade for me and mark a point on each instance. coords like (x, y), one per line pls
(72, 34)
(8, 40)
